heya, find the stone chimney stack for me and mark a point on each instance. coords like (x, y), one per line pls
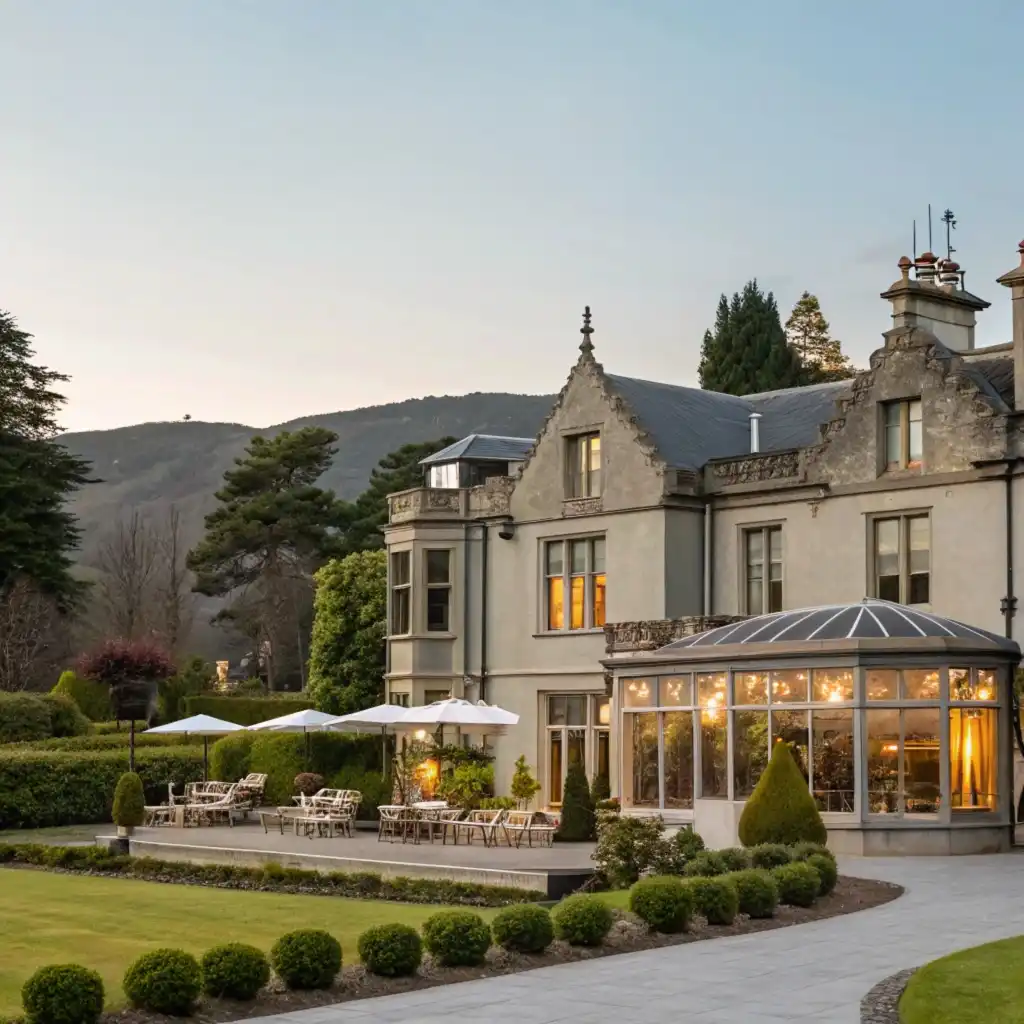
(936, 300)
(1014, 280)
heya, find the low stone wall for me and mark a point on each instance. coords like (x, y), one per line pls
(551, 881)
(882, 1004)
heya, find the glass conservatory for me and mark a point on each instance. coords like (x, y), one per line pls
(899, 720)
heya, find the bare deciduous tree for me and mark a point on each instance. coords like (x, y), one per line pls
(175, 599)
(31, 637)
(128, 561)
(144, 588)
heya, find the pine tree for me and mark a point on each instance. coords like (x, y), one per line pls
(397, 471)
(271, 529)
(712, 352)
(747, 351)
(37, 475)
(808, 333)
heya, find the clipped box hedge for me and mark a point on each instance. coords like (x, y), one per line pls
(244, 710)
(281, 756)
(44, 788)
(110, 741)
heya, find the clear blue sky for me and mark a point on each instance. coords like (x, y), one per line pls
(255, 211)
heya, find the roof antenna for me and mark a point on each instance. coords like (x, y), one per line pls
(586, 345)
(949, 219)
(930, 227)
(913, 247)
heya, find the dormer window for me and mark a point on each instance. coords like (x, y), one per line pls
(584, 459)
(445, 476)
(904, 435)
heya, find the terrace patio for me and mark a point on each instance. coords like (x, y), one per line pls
(555, 870)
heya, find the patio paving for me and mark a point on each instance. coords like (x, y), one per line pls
(812, 972)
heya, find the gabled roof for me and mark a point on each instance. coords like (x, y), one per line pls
(483, 448)
(690, 426)
(869, 619)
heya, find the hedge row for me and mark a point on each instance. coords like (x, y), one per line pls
(39, 716)
(269, 877)
(244, 710)
(110, 741)
(342, 760)
(39, 788)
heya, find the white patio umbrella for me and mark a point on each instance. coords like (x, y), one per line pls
(469, 717)
(370, 720)
(303, 721)
(198, 725)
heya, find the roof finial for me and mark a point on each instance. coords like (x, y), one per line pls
(586, 346)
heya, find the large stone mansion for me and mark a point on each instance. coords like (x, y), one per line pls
(644, 511)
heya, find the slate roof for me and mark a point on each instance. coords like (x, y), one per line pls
(483, 448)
(869, 619)
(690, 426)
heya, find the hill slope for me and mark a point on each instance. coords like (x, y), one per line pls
(152, 465)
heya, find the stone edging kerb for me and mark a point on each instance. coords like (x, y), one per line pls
(882, 1004)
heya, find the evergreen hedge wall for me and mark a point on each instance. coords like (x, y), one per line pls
(44, 788)
(244, 710)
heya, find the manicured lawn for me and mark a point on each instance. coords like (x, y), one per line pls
(984, 985)
(105, 923)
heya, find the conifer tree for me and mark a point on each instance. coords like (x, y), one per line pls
(747, 351)
(808, 333)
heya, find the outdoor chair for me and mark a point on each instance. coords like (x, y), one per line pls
(479, 823)
(397, 820)
(524, 823)
(215, 808)
(441, 821)
(161, 814)
(253, 786)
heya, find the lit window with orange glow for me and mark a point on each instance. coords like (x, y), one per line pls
(555, 586)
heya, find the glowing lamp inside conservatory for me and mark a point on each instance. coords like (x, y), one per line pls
(835, 695)
(605, 713)
(890, 748)
(420, 734)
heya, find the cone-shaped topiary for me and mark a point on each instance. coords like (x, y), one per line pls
(576, 824)
(781, 808)
(129, 801)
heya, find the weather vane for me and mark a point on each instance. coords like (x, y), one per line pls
(949, 219)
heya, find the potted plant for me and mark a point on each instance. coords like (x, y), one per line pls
(132, 669)
(129, 804)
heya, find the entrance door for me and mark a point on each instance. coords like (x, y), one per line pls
(577, 733)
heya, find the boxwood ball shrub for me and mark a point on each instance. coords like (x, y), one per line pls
(307, 959)
(664, 903)
(391, 950)
(63, 994)
(523, 929)
(582, 920)
(735, 858)
(826, 868)
(164, 981)
(715, 899)
(756, 891)
(23, 718)
(705, 864)
(65, 717)
(457, 938)
(234, 971)
(803, 851)
(799, 883)
(770, 855)
(781, 808)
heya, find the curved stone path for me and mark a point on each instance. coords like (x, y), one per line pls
(812, 972)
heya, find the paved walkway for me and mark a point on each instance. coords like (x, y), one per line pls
(813, 972)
